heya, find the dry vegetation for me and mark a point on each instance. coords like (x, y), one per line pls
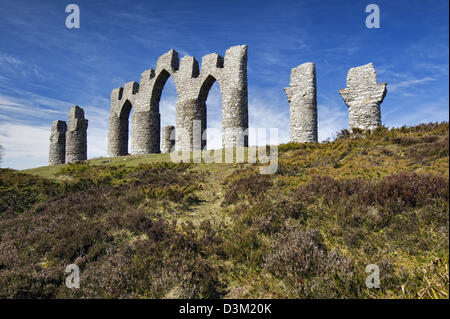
(143, 227)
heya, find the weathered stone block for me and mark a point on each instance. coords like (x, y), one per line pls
(363, 96)
(302, 97)
(145, 132)
(57, 148)
(168, 61)
(76, 137)
(130, 88)
(211, 61)
(188, 67)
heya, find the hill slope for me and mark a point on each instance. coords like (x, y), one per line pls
(141, 226)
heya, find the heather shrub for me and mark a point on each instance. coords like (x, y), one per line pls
(411, 189)
(342, 135)
(268, 214)
(245, 245)
(426, 152)
(303, 261)
(74, 169)
(175, 193)
(245, 184)
(289, 147)
(19, 191)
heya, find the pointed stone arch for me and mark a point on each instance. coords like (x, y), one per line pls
(203, 93)
(122, 101)
(124, 115)
(157, 89)
(206, 86)
(231, 75)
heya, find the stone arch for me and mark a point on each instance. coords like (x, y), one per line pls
(122, 101)
(231, 75)
(124, 131)
(203, 93)
(206, 86)
(125, 110)
(160, 82)
(146, 120)
(118, 129)
(155, 98)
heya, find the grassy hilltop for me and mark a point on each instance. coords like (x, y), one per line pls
(144, 227)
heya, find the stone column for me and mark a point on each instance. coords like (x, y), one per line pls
(168, 139)
(363, 96)
(76, 137)
(235, 98)
(145, 132)
(188, 111)
(57, 149)
(117, 136)
(302, 97)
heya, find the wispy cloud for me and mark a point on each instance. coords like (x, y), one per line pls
(422, 112)
(8, 60)
(408, 83)
(14, 66)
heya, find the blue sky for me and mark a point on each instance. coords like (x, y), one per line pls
(45, 67)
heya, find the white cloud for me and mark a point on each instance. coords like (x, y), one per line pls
(426, 112)
(214, 118)
(332, 116)
(332, 119)
(167, 109)
(408, 83)
(264, 114)
(25, 139)
(97, 140)
(24, 146)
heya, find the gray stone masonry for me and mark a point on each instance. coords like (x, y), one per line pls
(76, 139)
(363, 96)
(302, 97)
(192, 85)
(167, 139)
(57, 149)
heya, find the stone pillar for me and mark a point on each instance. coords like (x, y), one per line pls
(117, 136)
(235, 98)
(76, 138)
(145, 132)
(188, 111)
(168, 139)
(57, 149)
(302, 97)
(363, 96)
